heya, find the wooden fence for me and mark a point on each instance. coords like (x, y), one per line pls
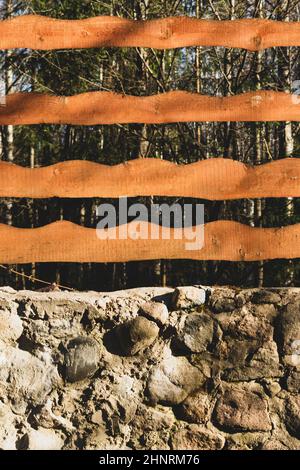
(39, 32)
(224, 240)
(215, 179)
(102, 107)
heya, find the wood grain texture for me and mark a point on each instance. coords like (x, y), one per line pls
(175, 106)
(215, 179)
(224, 240)
(40, 32)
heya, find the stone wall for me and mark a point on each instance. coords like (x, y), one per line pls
(190, 368)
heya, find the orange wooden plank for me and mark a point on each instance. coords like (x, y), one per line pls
(39, 32)
(215, 179)
(224, 240)
(175, 106)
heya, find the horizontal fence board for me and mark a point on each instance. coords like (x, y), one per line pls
(174, 106)
(40, 32)
(224, 240)
(215, 179)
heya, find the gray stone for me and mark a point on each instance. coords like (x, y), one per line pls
(173, 380)
(137, 335)
(225, 299)
(196, 437)
(257, 363)
(196, 408)
(44, 439)
(293, 381)
(155, 311)
(152, 428)
(11, 326)
(197, 332)
(223, 304)
(7, 289)
(273, 444)
(81, 359)
(272, 387)
(240, 410)
(187, 297)
(289, 325)
(267, 311)
(242, 297)
(97, 439)
(8, 432)
(236, 352)
(265, 297)
(25, 377)
(97, 418)
(244, 325)
(246, 440)
(292, 415)
(124, 398)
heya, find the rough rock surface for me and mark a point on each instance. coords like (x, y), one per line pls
(188, 297)
(136, 335)
(155, 311)
(154, 368)
(241, 410)
(81, 359)
(173, 379)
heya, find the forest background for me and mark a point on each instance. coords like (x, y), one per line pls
(214, 71)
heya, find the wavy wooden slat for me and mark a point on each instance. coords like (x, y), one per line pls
(224, 240)
(39, 32)
(215, 179)
(174, 106)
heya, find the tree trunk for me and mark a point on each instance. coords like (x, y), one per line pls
(258, 203)
(198, 71)
(9, 128)
(288, 143)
